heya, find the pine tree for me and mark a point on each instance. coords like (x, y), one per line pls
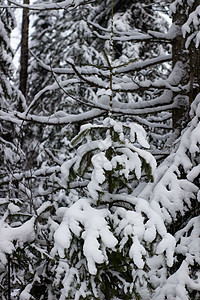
(106, 233)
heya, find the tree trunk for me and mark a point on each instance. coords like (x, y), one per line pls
(24, 54)
(9, 278)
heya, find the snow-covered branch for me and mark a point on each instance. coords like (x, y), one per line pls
(95, 70)
(49, 6)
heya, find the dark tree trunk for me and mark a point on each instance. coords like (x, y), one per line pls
(9, 278)
(24, 54)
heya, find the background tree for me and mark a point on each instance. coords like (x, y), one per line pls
(72, 34)
(179, 174)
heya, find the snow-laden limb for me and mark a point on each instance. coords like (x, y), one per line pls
(144, 230)
(52, 120)
(163, 102)
(119, 69)
(191, 28)
(127, 85)
(120, 85)
(175, 4)
(50, 6)
(51, 87)
(89, 224)
(188, 240)
(12, 236)
(172, 33)
(137, 66)
(136, 36)
(131, 35)
(9, 117)
(158, 104)
(18, 176)
(115, 31)
(126, 158)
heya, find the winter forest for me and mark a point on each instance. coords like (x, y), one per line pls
(100, 150)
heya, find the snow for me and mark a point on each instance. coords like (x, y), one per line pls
(129, 161)
(167, 244)
(139, 132)
(22, 234)
(13, 208)
(150, 232)
(194, 173)
(25, 295)
(136, 252)
(100, 163)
